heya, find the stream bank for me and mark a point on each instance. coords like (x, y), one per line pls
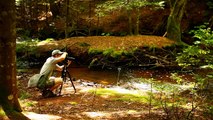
(104, 51)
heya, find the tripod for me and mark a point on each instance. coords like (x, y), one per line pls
(64, 74)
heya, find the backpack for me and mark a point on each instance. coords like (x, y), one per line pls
(33, 81)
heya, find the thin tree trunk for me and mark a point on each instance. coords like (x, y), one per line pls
(8, 86)
(137, 21)
(129, 20)
(174, 20)
(130, 23)
(67, 19)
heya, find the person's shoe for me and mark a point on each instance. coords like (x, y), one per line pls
(48, 94)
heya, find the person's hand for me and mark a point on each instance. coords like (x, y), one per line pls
(66, 53)
(69, 62)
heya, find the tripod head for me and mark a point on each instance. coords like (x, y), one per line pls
(68, 58)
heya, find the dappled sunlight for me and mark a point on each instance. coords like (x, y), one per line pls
(35, 116)
(137, 98)
(111, 114)
(122, 90)
(47, 43)
(143, 86)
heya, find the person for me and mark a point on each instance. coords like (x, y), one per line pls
(45, 80)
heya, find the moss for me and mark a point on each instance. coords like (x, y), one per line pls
(2, 113)
(27, 47)
(94, 51)
(116, 95)
(83, 44)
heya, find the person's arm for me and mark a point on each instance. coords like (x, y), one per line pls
(59, 68)
(62, 57)
(69, 62)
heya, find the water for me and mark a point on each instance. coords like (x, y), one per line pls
(113, 76)
(99, 76)
(107, 77)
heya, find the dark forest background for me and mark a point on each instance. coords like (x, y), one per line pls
(67, 18)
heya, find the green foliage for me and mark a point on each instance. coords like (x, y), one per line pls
(110, 6)
(30, 104)
(129, 52)
(28, 46)
(111, 52)
(102, 57)
(199, 54)
(94, 51)
(49, 40)
(176, 77)
(209, 110)
(210, 4)
(2, 113)
(24, 95)
(108, 52)
(24, 34)
(118, 53)
(106, 34)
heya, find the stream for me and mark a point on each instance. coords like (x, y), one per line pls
(111, 77)
(114, 76)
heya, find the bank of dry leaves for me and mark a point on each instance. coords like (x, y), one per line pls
(105, 42)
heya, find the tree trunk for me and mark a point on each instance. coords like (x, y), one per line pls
(174, 20)
(8, 86)
(130, 23)
(67, 19)
(137, 22)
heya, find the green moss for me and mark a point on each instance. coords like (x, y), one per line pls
(2, 113)
(27, 47)
(121, 96)
(94, 51)
(118, 53)
(108, 52)
(83, 44)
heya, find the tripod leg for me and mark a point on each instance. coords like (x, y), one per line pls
(71, 81)
(60, 89)
(63, 80)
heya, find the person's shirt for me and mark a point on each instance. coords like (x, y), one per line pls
(49, 66)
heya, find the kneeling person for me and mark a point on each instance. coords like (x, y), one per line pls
(45, 81)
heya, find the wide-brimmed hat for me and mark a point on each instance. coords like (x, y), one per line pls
(54, 52)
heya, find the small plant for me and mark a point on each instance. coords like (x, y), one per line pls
(24, 95)
(106, 34)
(30, 104)
(199, 54)
(209, 111)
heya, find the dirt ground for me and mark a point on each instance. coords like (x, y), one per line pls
(82, 105)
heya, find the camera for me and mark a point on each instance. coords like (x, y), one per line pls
(67, 59)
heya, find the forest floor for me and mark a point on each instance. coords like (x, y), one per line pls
(94, 101)
(82, 105)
